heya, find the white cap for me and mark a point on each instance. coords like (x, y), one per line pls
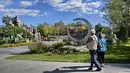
(93, 31)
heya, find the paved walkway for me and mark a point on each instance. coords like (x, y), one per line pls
(14, 50)
(22, 66)
(9, 51)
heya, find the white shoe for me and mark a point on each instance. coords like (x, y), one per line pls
(102, 65)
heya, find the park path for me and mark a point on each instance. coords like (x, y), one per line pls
(9, 51)
(23, 66)
(26, 66)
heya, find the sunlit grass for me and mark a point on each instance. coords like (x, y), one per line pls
(75, 57)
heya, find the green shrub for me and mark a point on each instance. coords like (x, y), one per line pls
(11, 40)
(68, 43)
(2, 41)
(34, 47)
(39, 48)
(54, 49)
(62, 51)
(58, 45)
(6, 41)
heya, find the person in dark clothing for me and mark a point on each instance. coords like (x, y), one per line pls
(102, 50)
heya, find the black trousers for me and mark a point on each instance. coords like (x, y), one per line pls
(100, 56)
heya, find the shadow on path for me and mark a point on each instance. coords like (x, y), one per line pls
(75, 67)
(69, 69)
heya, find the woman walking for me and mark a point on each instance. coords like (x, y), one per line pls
(101, 51)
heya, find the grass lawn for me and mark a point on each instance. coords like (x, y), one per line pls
(115, 54)
(75, 57)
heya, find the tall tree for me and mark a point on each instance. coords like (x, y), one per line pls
(40, 28)
(45, 29)
(98, 27)
(119, 15)
(60, 27)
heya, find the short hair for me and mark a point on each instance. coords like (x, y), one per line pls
(93, 31)
(100, 35)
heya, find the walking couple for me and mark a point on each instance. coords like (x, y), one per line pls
(92, 45)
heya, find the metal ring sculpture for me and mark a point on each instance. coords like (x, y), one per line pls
(86, 37)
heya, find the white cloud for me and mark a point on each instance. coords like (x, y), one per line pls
(53, 2)
(94, 4)
(77, 6)
(101, 14)
(20, 12)
(27, 12)
(95, 11)
(36, 1)
(26, 3)
(2, 6)
(89, 0)
(6, 2)
(45, 13)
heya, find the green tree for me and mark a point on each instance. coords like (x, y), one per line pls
(39, 28)
(119, 15)
(2, 33)
(106, 30)
(45, 29)
(52, 30)
(60, 27)
(72, 24)
(12, 32)
(98, 27)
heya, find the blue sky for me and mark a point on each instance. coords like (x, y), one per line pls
(33, 12)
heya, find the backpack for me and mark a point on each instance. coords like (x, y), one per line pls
(98, 45)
